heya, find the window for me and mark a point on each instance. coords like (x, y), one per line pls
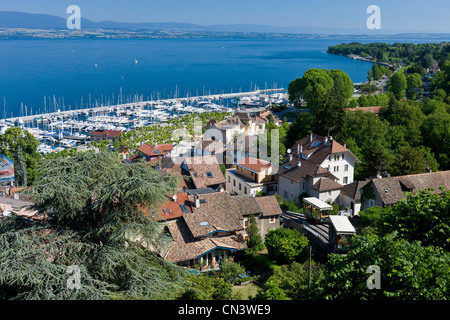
(292, 183)
(240, 186)
(246, 223)
(371, 203)
(343, 156)
(345, 180)
(245, 190)
(346, 168)
(304, 186)
(285, 195)
(272, 219)
(184, 208)
(234, 183)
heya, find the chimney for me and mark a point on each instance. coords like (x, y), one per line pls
(197, 201)
(290, 157)
(379, 175)
(325, 140)
(311, 137)
(299, 164)
(174, 198)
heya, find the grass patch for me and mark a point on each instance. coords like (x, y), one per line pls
(246, 291)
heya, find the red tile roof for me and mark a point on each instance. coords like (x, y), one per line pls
(204, 171)
(170, 209)
(326, 184)
(254, 164)
(106, 133)
(156, 150)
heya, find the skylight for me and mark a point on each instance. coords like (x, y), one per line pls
(184, 208)
(209, 174)
(315, 144)
(204, 223)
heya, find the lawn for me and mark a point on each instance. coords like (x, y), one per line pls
(246, 290)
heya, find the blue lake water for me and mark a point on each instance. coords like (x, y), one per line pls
(71, 70)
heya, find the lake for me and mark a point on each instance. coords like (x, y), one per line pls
(69, 71)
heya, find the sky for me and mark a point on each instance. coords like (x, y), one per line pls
(398, 15)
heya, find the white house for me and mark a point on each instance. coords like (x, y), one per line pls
(318, 167)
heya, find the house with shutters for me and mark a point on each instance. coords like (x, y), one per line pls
(318, 167)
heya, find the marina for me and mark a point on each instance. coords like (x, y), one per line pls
(61, 130)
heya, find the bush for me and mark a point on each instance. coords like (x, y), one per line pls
(285, 245)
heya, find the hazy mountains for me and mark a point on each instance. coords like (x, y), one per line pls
(9, 19)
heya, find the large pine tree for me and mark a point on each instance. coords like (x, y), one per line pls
(20, 170)
(94, 221)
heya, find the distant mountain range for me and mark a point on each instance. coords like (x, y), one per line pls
(9, 19)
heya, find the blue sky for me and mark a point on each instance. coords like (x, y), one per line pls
(400, 15)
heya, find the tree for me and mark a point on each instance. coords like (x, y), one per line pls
(254, 237)
(331, 112)
(290, 282)
(413, 85)
(397, 85)
(427, 60)
(285, 245)
(408, 160)
(436, 135)
(14, 137)
(204, 287)
(20, 170)
(95, 221)
(327, 93)
(408, 271)
(423, 216)
(230, 270)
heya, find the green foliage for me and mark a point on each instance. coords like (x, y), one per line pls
(423, 216)
(260, 264)
(157, 134)
(413, 86)
(286, 245)
(94, 222)
(326, 93)
(206, 287)
(20, 170)
(230, 270)
(290, 282)
(397, 85)
(409, 271)
(15, 137)
(436, 135)
(254, 236)
(408, 160)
